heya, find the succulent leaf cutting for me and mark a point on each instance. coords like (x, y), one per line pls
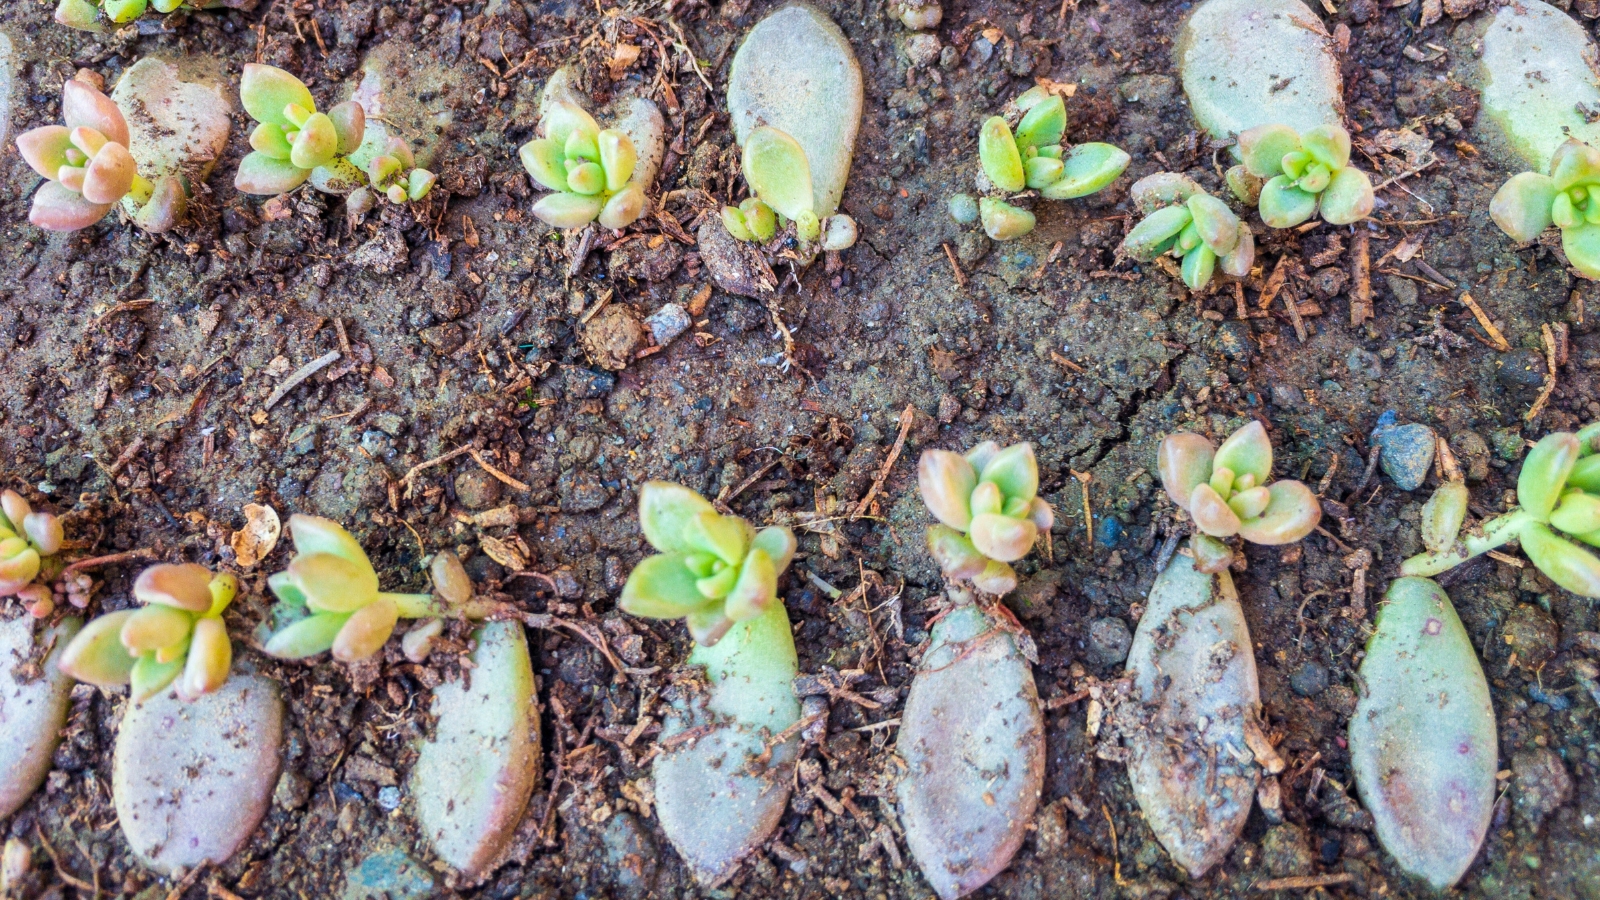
(1197, 228)
(90, 169)
(588, 170)
(779, 175)
(294, 142)
(1226, 490)
(1558, 511)
(990, 512)
(1034, 157)
(712, 571)
(1299, 176)
(1568, 198)
(176, 638)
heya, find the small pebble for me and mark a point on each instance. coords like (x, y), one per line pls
(389, 798)
(1109, 640)
(667, 323)
(1309, 680)
(963, 208)
(1407, 451)
(1364, 364)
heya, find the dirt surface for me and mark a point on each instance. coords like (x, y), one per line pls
(137, 370)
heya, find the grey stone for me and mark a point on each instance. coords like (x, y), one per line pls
(1285, 850)
(963, 208)
(631, 854)
(33, 707)
(1364, 363)
(1542, 783)
(1536, 69)
(384, 254)
(1309, 679)
(1407, 453)
(1259, 62)
(1109, 640)
(1522, 370)
(580, 491)
(388, 875)
(668, 322)
(191, 780)
(473, 778)
(922, 49)
(796, 72)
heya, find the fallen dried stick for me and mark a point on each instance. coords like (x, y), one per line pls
(906, 417)
(300, 375)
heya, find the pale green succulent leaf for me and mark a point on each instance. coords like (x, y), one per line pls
(1574, 163)
(1292, 513)
(1329, 145)
(1563, 562)
(306, 637)
(1522, 206)
(776, 167)
(1087, 169)
(1042, 171)
(1218, 226)
(1282, 205)
(1002, 221)
(997, 152)
(1348, 198)
(544, 162)
(1247, 451)
(567, 210)
(665, 513)
(1148, 239)
(1014, 470)
(1184, 461)
(1544, 473)
(150, 676)
(1582, 247)
(266, 91)
(1198, 266)
(1263, 148)
(1443, 514)
(95, 655)
(1043, 124)
(778, 543)
(756, 588)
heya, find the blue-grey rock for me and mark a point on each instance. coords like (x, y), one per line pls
(1407, 453)
(388, 875)
(667, 323)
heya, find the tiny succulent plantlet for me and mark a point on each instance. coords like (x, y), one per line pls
(90, 169)
(328, 597)
(1558, 497)
(293, 142)
(176, 638)
(589, 170)
(1301, 175)
(93, 15)
(1033, 157)
(27, 539)
(989, 509)
(779, 175)
(712, 571)
(1226, 491)
(1568, 198)
(1192, 225)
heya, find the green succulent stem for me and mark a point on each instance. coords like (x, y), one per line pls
(1496, 532)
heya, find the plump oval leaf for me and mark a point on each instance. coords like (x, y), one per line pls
(1184, 461)
(1087, 169)
(1292, 513)
(1156, 232)
(1218, 226)
(662, 587)
(366, 631)
(1348, 197)
(958, 559)
(776, 168)
(185, 586)
(1329, 145)
(1002, 221)
(1247, 451)
(567, 210)
(34, 710)
(1283, 205)
(1564, 562)
(1263, 148)
(1443, 514)
(624, 208)
(266, 91)
(45, 148)
(1198, 266)
(1014, 470)
(1581, 244)
(55, 208)
(1544, 473)
(946, 481)
(997, 151)
(1002, 537)
(1574, 163)
(263, 175)
(84, 106)
(1043, 124)
(96, 655)
(1522, 206)
(306, 637)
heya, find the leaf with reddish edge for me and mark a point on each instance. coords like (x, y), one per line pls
(82, 106)
(1292, 513)
(57, 209)
(1184, 461)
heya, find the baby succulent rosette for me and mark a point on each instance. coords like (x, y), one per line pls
(590, 170)
(26, 539)
(176, 638)
(293, 142)
(1185, 221)
(779, 175)
(712, 571)
(1302, 174)
(90, 169)
(1558, 502)
(93, 15)
(1226, 491)
(1568, 198)
(990, 512)
(328, 597)
(1034, 158)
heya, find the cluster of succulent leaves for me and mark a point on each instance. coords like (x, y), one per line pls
(90, 169)
(1184, 220)
(91, 15)
(1568, 198)
(1034, 158)
(1226, 491)
(713, 570)
(293, 142)
(779, 174)
(1558, 503)
(176, 638)
(990, 512)
(590, 170)
(27, 538)
(1291, 177)
(328, 597)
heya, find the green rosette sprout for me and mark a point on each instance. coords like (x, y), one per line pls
(293, 142)
(95, 15)
(779, 175)
(89, 168)
(1558, 502)
(712, 571)
(1197, 228)
(1226, 491)
(1568, 198)
(1292, 177)
(27, 541)
(328, 598)
(176, 638)
(589, 170)
(990, 512)
(1034, 158)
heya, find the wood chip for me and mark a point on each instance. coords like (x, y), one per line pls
(1498, 340)
(1303, 882)
(906, 417)
(1269, 291)
(961, 279)
(1361, 274)
(1549, 375)
(498, 475)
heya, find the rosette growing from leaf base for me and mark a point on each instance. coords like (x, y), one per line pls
(1035, 157)
(86, 161)
(92, 15)
(27, 539)
(712, 571)
(775, 166)
(1558, 509)
(989, 509)
(590, 171)
(328, 597)
(1568, 197)
(1193, 226)
(1226, 491)
(176, 638)
(1302, 175)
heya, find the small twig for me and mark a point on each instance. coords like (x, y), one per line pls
(1549, 375)
(188, 880)
(1294, 316)
(110, 559)
(126, 456)
(581, 255)
(1483, 319)
(1303, 882)
(437, 460)
(1361, 274)
(1116, 855)
(1269, 291)
(1088, 512)
(499, 475)
(907, 416)
(301, 374)
(722, 501)
(961, 278)
(61, 870)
